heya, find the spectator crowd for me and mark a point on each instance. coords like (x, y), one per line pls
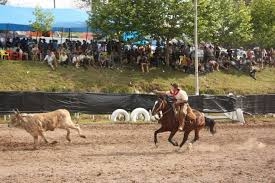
(118, 54)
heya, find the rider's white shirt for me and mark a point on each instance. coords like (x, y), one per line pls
(181, 95)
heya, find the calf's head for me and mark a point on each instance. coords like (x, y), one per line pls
(16, 119)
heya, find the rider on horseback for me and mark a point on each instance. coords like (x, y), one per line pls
(180, 104)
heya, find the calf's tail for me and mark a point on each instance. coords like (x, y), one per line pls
(210, 123)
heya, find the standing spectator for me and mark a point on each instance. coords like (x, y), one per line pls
(144, 62)
(249, 55)
(272, 56)
(258, 54)
(253, 70)
(230, 54)
(217, 51)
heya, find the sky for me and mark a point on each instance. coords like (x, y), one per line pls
(43, 3)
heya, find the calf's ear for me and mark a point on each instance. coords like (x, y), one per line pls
(17, 111)
(14, 111)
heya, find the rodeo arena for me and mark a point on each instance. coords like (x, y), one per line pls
(156, 136)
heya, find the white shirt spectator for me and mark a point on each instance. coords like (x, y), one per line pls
(50, 58)
(63, 58)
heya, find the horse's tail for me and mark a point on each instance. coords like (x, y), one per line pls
(210, 123)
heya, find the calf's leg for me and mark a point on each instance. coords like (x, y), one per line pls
(43, 137)
(35, 139)
(68, 134)
(76, 127)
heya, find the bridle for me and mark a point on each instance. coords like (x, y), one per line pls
(161, 114)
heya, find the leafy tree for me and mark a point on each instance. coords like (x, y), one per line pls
(224, 21)
(263, 19)
(3, 2)
(113, 19)
(43, 20)
(227, 22)
(91, 3)
(163, 19)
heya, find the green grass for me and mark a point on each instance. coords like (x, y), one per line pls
(30, 76)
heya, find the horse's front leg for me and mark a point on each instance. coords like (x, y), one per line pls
(172, 134)
(156, 134)
(185, 137)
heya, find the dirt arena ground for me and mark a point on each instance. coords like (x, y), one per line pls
(126, 153)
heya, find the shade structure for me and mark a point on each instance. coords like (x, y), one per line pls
(19, 19)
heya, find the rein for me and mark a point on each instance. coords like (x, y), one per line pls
(168, 110)
(162, 114)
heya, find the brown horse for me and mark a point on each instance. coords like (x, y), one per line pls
(164, 112)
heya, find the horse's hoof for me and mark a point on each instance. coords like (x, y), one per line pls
(176, 144)
(83, 136)
(54, 142)
(156, 145)
(190, 146)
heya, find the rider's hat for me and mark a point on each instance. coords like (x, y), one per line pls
(175, 85)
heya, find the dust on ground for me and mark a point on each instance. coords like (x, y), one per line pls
(126, 153)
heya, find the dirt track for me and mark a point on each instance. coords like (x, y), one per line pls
(126, 153)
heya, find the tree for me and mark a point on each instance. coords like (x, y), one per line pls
(3, 2)
(43, 20)
(227, 22)
(162, 19)
(91, 3)
(113, 19)
(165, 19)
(263, 19)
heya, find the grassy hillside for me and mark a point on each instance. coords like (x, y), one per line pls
(30, 76)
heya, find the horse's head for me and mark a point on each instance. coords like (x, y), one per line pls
(160, 105)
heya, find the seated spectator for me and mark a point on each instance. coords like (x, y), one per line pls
(51, 60)
(214, 65)
(183, 62)
(103, 59)
(63, 58)
(21, 54)
(35, 53)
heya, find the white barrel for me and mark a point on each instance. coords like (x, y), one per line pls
(120, 113)
(138, 112)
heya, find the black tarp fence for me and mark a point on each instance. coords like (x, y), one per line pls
(97, 103)
(257, 104)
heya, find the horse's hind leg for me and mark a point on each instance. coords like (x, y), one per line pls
(185, 137)
(172, 134)
(197, 131)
